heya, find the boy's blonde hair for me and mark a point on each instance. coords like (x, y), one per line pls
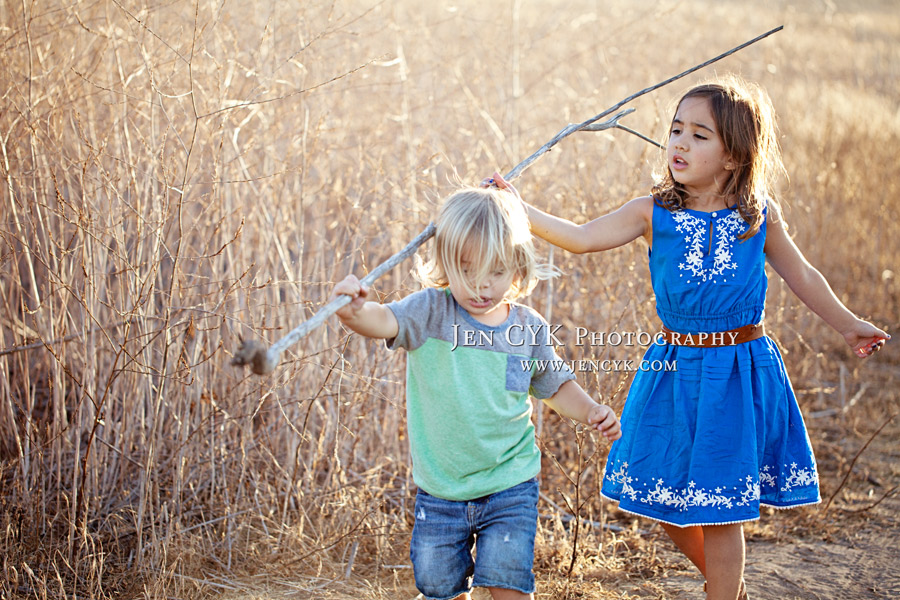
(745, 120)
(491, 225)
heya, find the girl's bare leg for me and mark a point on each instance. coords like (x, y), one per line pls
(690, 541)
(724, 557)
(504, 594)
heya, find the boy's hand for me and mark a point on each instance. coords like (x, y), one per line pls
(865, 338)
(370, 319)
(350, 286)
(603, 419)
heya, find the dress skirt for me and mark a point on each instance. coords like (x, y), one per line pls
(712, 437)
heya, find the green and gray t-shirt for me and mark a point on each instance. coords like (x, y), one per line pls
(467, 393)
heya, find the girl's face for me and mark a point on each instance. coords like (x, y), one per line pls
(489, 306)
(696, 154)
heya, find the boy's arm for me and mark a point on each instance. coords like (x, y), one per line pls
(370, 319)
(573, 402)
(813, 289)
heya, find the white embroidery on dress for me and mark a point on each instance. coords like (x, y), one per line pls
(748, 490)
(751, 491)
(695, 233)
(799, 478)
(765, 478)
(683, 499)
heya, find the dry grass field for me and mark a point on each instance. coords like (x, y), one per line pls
(180, 175)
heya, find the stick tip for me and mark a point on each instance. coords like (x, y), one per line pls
(257, 356)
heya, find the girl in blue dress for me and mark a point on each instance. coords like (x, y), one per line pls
(704, 446)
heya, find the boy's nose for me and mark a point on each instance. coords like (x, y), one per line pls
(485, 283)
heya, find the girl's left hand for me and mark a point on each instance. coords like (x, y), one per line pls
(865, 338)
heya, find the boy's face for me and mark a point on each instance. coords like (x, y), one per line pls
(488, 305)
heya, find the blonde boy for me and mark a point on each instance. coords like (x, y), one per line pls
(473, 356)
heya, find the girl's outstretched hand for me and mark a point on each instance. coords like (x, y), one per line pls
(865, 338)
(603, 419)
(496, 180)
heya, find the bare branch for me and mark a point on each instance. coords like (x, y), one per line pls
(855, 458)
(291, 94)
(573, 128)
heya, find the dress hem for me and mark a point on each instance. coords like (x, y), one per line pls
(735, 522)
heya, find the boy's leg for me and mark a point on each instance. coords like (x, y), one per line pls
(724, 552)
(506, 528)
(690, 541)
(441, 548)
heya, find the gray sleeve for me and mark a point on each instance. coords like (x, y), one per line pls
(415, 315)
(550, 370)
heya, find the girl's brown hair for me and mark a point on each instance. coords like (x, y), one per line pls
(745, 120)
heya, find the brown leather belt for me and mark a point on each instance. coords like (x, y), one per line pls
(731, 337)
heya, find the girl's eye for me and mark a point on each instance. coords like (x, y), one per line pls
(675, 131)
(699, 137)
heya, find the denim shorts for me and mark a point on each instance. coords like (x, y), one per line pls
(501, 530)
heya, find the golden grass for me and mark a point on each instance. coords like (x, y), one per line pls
(179, 175)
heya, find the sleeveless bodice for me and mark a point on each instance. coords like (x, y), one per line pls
(704, 277)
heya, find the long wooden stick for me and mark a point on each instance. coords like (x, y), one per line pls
(571, 128)
(263, 361)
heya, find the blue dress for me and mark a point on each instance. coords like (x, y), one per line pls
(709, 439)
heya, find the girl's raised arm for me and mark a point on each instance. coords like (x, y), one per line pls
(625, 224)
(813, 289)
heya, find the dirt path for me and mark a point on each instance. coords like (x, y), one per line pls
(867, 566)
(861, 562)
(856, 558)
